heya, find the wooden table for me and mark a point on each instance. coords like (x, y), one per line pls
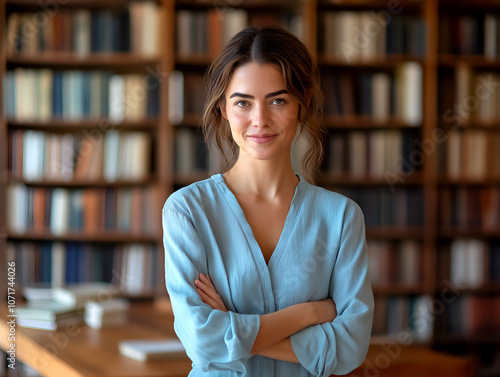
(80, 351)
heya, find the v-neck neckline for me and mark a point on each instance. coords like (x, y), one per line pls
(288, 225)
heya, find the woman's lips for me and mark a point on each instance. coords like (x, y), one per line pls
(261, 139)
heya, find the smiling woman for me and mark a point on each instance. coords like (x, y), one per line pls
(267, 273)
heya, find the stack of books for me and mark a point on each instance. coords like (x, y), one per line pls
(105, 314)
(61, 305)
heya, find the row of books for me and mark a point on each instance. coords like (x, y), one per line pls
(82, 31)
(471, 315)
(401, 208)
(378, 95)
(470, 262)
(467, 96)
(82, 211)
(191, 152)
(469, 208)
(469, 34)
(206, 32)
(130, 268)
(354, 36)
(371, 154)
(470, 154)
(396, 314)
(72, 95)
(88, 155)
(395, 262)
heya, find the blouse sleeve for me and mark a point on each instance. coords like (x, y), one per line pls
(213, 339)
(340, 346)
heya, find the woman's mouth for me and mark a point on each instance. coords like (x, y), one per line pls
(261, 138)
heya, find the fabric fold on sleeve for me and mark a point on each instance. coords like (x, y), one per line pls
(214, 340)
(340, 346)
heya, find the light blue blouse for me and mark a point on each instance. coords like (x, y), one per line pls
(321, 253)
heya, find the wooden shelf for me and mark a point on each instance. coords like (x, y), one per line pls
(487, 288)
(201, 61)
(493, 126)
(389, 61)
(86, 183)
(395, 233)
(108, 237)
(398, 289)
(190, 120)
(477, 339)
(329, 179)
(442, 181)
(67, 60)
(103, 125)
(368, 4)
(363, 122)
(468, 233)
(477, 61)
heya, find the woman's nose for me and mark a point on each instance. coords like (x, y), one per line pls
(261, 116)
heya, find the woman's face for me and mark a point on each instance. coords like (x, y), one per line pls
(262, 115)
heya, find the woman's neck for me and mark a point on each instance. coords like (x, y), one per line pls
(268, 179)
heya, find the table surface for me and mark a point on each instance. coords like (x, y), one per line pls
(80, 351)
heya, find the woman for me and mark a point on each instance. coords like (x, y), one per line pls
(267, 273)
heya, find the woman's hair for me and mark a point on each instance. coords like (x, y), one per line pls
(266, 45)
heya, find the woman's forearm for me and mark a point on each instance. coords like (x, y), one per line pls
(277, 326)
(282, 350)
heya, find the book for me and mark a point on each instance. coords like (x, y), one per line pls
(77, 294)
(145, 350)
(46, 310)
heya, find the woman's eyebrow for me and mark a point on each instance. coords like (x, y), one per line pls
(242, 95)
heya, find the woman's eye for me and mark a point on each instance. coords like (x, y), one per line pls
(279, 101)
(241, 103)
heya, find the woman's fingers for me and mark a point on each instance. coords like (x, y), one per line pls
(210, 296)
(208, 300)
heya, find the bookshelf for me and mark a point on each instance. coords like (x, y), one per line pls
(425, 180)
(94, 151)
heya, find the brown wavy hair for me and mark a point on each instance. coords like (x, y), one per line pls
(266, 45)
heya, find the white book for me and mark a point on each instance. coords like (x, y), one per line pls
(117, 98)
(176, 97)
(144, 350)
(78, 294)
(476, 262)
(381, 96)
(81, 32)
(409, 93)
(139, 148)
(135, 271)
(59, 213)
(111, 150)
(33, 155)
(490, 36)
(367, 44)
(47, 310)
(136, 97)
(45, 94)
(357, 154)
(150, 33)
(235, 20)
(346, 48)
(459, 260)
(17, 208)
(66, 163)
(58, 277)
(29, 94)
(422, 308)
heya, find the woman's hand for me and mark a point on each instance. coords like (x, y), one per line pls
(206, 289)
(324, 311)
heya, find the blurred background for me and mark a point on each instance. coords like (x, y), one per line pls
(102, 103)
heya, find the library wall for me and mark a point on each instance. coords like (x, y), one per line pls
(100, 123)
